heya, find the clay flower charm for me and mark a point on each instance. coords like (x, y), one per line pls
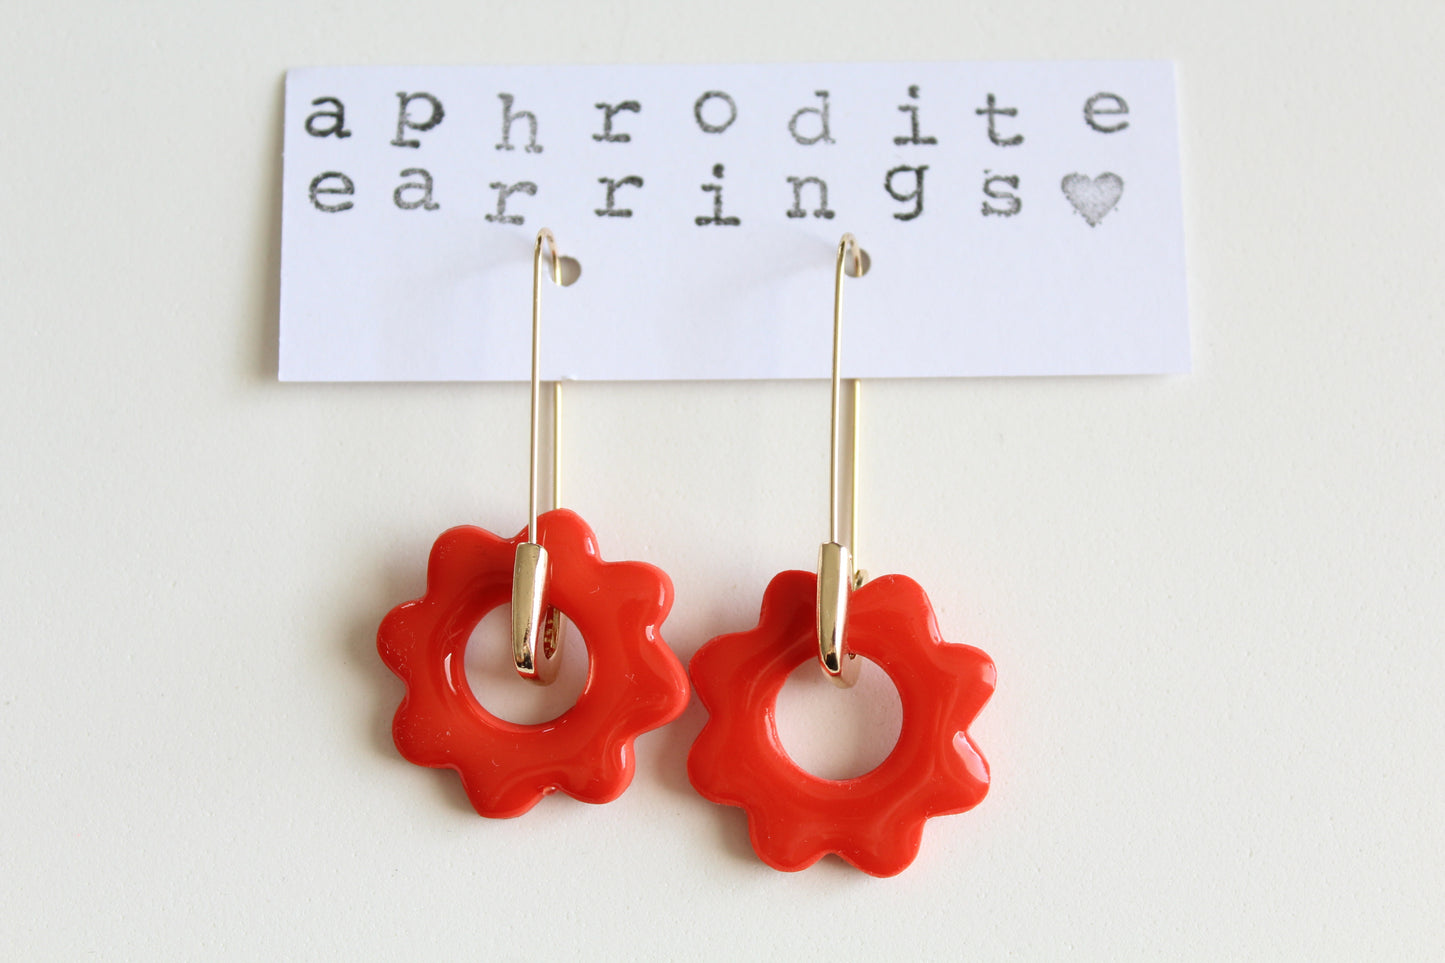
(634, 683)
(874, 821)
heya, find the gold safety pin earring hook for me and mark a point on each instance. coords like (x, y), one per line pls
(536, 626)
(836, 577)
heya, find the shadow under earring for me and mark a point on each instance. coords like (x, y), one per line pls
(550, 569)
(874, 821)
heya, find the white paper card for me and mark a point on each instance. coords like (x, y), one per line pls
(1021, 218)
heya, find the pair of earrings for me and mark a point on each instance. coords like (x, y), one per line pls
(636, 684)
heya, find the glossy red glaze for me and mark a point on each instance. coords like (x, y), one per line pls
(634, 682)
(874, 821)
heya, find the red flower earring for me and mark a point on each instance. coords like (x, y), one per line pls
(551, 568)
(874, 821)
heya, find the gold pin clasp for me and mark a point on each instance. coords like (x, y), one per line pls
(836, 575)
(531, 616)
(835, 581)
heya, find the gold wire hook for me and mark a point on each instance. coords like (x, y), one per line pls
(859, 576)
(556, 444)
(836, 576)
(848, 245)
(536, 626)
(544, 235)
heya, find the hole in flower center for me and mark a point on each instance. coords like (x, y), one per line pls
(495, 683)
(838, 733)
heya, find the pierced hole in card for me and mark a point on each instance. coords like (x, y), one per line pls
(851, 270)
(571, 270)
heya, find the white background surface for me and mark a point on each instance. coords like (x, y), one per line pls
(1214, 600)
